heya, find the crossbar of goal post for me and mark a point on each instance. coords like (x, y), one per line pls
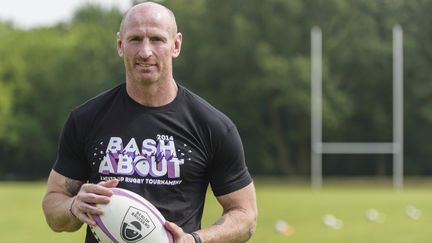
(318, 147)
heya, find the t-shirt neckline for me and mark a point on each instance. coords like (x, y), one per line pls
(168, 107)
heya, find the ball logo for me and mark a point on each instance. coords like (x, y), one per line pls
(136, 225)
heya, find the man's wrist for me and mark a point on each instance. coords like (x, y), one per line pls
(196, 237)
(71, 206)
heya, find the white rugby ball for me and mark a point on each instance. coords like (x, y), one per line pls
(130, 218)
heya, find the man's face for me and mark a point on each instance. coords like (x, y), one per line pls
(147, 44)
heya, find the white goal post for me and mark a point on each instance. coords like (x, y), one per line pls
(318, 147)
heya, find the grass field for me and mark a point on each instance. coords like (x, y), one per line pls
(22, 219)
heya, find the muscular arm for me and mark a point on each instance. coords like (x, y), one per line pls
(237, 223)
(57, 201)
(68, 202)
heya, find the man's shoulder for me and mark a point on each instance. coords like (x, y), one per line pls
(98, 102)
(206, 112)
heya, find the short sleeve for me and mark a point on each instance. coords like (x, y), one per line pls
(228, 172)
(71, 159)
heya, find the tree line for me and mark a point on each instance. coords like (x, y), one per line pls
(251, 60)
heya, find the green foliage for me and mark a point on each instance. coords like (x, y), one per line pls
(251, 59)
(45, 73)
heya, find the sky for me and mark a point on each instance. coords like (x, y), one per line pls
(36, 13)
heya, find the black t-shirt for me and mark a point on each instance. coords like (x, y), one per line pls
(167, 154)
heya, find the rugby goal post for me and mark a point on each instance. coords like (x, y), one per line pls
(318, 147)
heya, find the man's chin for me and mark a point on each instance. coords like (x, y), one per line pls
(146, 80)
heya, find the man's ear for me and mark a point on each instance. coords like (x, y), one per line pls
(119, 44)
(177, 45)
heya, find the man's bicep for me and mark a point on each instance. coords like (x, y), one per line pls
(243, 199)
(240, 213)
(58, 183)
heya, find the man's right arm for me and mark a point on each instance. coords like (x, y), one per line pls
(68, 202)
(61, 193)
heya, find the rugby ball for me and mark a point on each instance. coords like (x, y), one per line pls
(129, 218)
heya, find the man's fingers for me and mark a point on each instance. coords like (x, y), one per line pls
(110, 184)
(170, 226)
(175, 230)
(98, 189)
(86, 218)
(91, 198)
(90, 209)
(83, 211)
(178, 234)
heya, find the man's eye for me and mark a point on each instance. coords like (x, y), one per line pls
(134, 39)
(157, 39)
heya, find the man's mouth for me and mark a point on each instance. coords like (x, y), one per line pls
(145, 65)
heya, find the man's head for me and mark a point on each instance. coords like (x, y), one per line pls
(148, 41)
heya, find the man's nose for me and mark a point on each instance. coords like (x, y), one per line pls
(145, 50)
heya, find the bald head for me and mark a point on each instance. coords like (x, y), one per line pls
(156, 11)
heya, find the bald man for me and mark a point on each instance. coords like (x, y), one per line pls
(152, 136)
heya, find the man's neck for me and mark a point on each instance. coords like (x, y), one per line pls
(152, 95)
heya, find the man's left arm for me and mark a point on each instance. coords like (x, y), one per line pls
(237, 223)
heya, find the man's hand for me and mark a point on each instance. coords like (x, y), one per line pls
(83, 204)
(178, 234)
(68, 203)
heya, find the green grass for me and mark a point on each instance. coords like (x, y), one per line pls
(21, 218)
